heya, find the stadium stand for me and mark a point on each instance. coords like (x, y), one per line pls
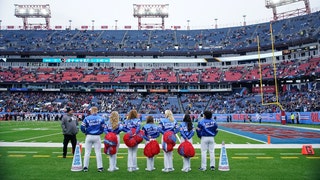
(29, 85)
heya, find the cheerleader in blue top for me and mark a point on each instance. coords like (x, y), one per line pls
(114, 126)
(207, 129)
(168, 124)
(186, 132)
(132, 121)
(151, 132)
(92, 126)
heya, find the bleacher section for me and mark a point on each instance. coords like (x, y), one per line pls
(162, 42)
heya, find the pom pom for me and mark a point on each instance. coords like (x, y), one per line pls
(151, 149)
(169, 137)
(132, 139)
(111, 139)
(186, 149)
(167, 147)
(139, 137)
(110, 150)
(110, 143)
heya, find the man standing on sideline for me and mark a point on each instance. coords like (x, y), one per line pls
(69, 125)
(93, 126)
(206, 130)
(292, 118)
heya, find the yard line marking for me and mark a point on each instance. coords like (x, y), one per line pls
(288, 154)
(267, 157)
(5, 132)
(239, 157)
(17, 155)
(287, 157)
(37, 137)
(243, 136)
(250, 154)
(56, 152)
(317, 157)
(41, 156)
(66, 156)
(22, 152)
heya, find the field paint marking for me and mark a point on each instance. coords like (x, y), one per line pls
(250, 154)
(38, 137)
(41, 156)
(5, 132)
(267, 157)
(317, 157)
(287, 157)
(243, 136)
(178, 138)
(239, 157)
(23, 152)
(288, 154)
(17, 155)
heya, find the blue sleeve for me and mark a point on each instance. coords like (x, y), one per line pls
(199, 130)
(83, 126)
(176, 128)
(102, 126)
(183, 134)
(106, 130)
(190, 135)
(145, 134)
(125, 127)
(119, 129)
(216, 128)
(161, 127)
(138, 125)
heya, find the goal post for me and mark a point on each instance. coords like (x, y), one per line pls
(276, 102)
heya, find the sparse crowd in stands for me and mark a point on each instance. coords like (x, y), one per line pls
(286, 69)
(234, 38)
(51, 105)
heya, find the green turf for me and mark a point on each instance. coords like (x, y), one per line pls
(51, 132)
(46, 163)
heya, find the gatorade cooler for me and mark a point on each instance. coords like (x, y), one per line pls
(283, 117)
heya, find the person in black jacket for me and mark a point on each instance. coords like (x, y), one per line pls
(69, 125)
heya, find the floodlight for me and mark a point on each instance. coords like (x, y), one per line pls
(273, 4)
(33, 11)
(40, 11)
(150, 11)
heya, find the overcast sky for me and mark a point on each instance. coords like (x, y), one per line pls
(201, 13)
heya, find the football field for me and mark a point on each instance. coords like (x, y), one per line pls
(33, 150)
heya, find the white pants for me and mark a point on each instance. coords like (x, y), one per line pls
(96, 142)
(186, 161)
(113, 158)
(168, 159)
(132, 156)
(207, 143)
(150, 161)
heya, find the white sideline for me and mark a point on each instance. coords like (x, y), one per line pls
(196, 146)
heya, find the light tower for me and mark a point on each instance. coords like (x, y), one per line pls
(150, 11)
(33, 11)
(188, 27)
(92, 24)
(244, 20)
(216, 25)
(273, 4)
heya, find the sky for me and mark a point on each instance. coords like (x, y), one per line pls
(200, 13)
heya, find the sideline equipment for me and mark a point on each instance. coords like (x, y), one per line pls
(223, 161)
(77, 161)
